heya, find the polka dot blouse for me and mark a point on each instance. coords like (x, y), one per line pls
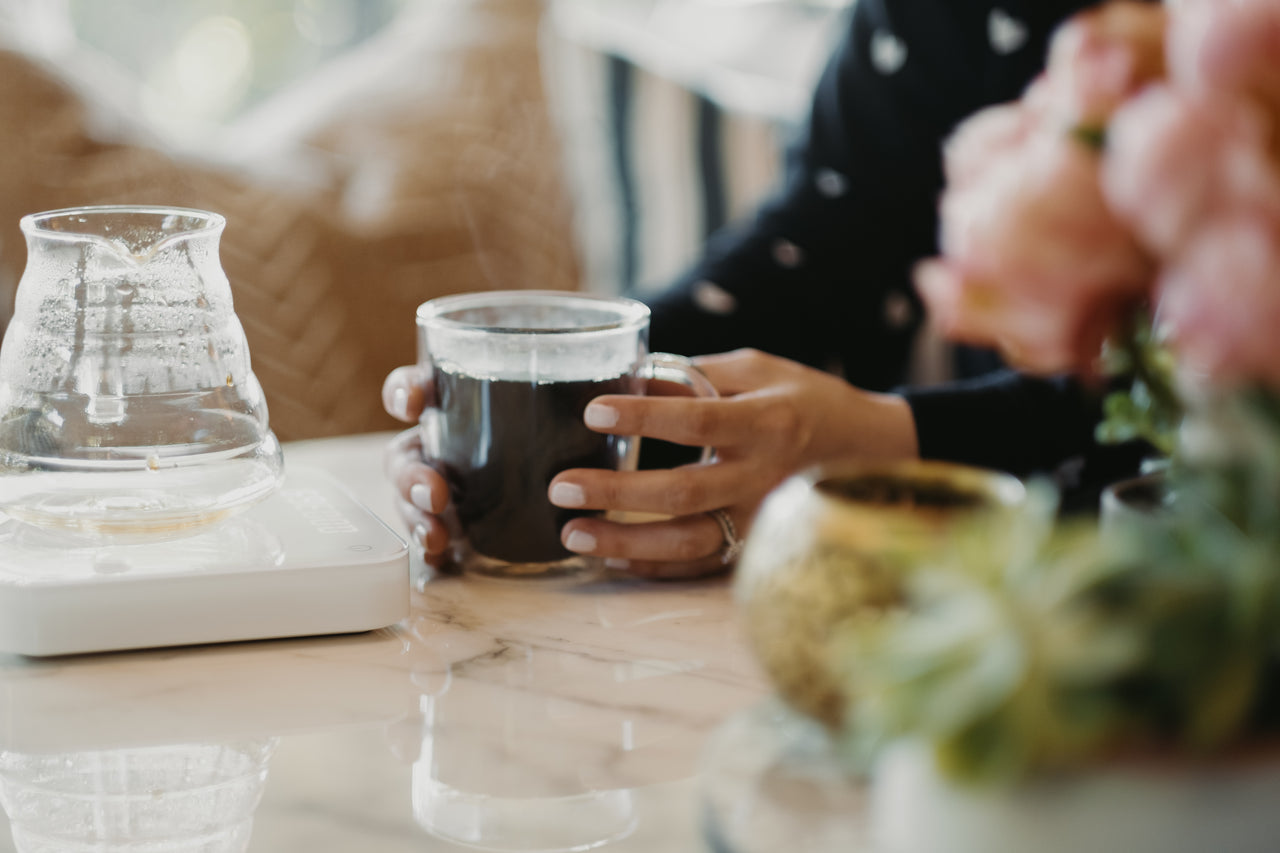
(821, 273)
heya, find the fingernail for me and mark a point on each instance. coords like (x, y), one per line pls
(580, 541)
(600, 416)
(568, 494)
(420, 496)
(400, 403)
(420, 535)
(617, 563)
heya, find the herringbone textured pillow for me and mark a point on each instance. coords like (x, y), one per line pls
(423, 164)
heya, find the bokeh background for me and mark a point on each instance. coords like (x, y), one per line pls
(372, 154)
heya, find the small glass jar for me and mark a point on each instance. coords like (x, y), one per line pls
(834, 541)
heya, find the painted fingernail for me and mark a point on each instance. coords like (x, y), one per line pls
(400, 403)
(420, 535)
(617, 563)
(580, 541)
(568, 494)
(600, 416)
(420, 496)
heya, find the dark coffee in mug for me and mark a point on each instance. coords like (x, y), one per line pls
(512, 372)
(500, 442)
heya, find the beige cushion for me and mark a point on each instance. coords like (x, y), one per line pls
(422, 164)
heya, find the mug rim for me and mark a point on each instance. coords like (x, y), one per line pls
(632, 314)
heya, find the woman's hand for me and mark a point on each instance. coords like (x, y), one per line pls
(773, 418)
(422, 495)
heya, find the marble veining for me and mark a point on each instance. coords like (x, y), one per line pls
(497, 714)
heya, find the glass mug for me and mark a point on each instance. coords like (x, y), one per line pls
(510, 374)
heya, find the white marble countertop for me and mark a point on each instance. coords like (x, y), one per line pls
(496, 717)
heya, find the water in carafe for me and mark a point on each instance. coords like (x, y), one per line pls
(127, 403)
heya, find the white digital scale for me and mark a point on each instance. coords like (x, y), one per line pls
(309, 560)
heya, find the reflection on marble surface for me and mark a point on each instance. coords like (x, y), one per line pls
(516, 789)
(576, 703)
(537, 743)
(772, 780)
(184, 798)
(531, 718)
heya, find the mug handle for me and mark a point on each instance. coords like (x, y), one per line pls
(676, 368)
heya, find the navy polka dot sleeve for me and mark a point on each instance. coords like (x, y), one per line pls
(822, 274)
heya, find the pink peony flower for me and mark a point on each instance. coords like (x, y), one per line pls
(1174, 160)
(1231, 47)
(1097, 59)
(1036, 264)
(1220, 301)
(983, 138)
(1027, 328)
(1049, 241)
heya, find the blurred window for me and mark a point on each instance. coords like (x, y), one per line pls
(204, 62)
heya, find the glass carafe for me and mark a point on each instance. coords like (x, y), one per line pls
(127, 404)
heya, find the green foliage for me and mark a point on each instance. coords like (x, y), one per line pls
(1149, 407)
(1066, 644)
(1074, 643)
(1091, 136)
